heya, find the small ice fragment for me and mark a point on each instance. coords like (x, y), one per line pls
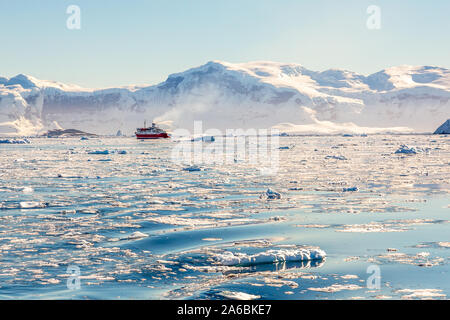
(121, 152)
(99, 152)
(192, 168)
(27, 190)
(68, 211)
(336, 157)
(238, 295)
(32, 205)
(84, 138)
(204, 139)
(137, 235)
(270, 195)
(351, 189)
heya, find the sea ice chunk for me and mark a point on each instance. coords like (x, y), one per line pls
(204, 139)
(15, 141)
(407, 150)
(238, 295)
(336, 157)
(229, 258)
(192, 168)
(99, 152)
(137, 235)
(270, 195)
(351, 189)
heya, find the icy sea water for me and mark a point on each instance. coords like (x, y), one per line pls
(138, 226)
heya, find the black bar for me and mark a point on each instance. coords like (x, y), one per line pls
(218, 309)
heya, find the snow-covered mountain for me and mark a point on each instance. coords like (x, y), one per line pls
(247, 95)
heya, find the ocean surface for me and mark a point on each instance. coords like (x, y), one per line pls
(117, 218)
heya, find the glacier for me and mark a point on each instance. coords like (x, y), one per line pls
(226, 95)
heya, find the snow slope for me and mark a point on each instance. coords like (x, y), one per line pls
(246, 95)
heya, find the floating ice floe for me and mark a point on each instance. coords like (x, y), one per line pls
(350, 189)
(137, 235)
(192, 168)
(421, 293)
(238, 295)
(99, 152)
(32, 205)
(106, 152)
(404, 149)
(15, 141)
(229, 258)
(337, 287)
(336, 157)
(204, 139)
(421, 259)
(27, 190)
(270, 195)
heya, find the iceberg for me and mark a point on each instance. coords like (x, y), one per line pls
(444, 128)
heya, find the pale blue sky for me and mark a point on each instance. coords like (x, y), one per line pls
(142, 41)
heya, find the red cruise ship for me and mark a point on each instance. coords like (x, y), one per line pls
(152, 132)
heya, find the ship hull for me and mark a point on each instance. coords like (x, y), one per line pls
(152, 136)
